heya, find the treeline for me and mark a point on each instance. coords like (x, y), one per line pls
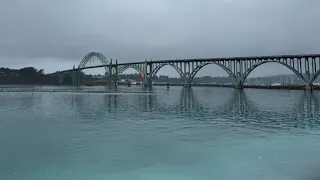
(27, 75)
(31, 75)
(164, 79)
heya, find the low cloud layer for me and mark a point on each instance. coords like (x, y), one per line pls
(54, 35)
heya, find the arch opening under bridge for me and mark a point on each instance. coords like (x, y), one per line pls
(128, 73)
(255, 66)
(122, 69)
(159, 67)
(201, 66)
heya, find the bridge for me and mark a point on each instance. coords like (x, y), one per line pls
(305, 66)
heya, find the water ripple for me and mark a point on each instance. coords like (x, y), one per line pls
(136, 133)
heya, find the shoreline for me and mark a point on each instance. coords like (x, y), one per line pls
(278, 87)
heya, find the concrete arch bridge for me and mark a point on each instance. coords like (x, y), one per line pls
(305, 66)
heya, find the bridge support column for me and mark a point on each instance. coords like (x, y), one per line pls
(308, 87)
(147, 76)
(147, 85)
(239, 82)
(74, 77)
(115, 76)
(78, 76)
(187, 80)
(110, 78)
(187, 85)
(238, 86)
(147, 81)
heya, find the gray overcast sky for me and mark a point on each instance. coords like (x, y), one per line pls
(55, 34)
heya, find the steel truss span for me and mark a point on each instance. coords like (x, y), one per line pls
(86, 59)
(305, 66)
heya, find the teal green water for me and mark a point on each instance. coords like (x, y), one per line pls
(175, 134)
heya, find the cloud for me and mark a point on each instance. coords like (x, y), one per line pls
(63, 31)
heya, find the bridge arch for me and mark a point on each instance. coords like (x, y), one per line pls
(246, 74)
(157, 68)
(85, 60)
(136, 67)
(198, 68)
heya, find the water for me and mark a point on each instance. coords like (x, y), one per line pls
(175, 134)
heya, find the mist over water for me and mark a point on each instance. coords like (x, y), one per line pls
(135, 133)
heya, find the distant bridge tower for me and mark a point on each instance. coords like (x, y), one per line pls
(76, 72)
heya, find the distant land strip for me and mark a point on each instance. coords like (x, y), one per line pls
(52, 90)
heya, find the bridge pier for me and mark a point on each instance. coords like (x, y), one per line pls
(75, 77)
(238, 86)
(187, 85)
(115, 76)
(147, 85)
(308, 87)
(110, 81)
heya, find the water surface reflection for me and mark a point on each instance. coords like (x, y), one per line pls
(198, 133)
